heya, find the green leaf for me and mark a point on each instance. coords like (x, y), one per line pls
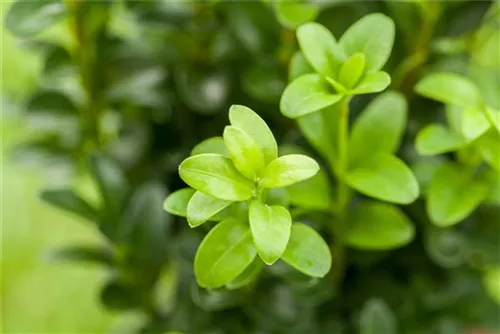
(29, 18)
(380, 127)
(52, 103)
(270, 227)
(211, 145)
(224, 254)
(436, 139)
(292, 14)
(453, 194)
(378, 226)
(377, 318)
(90, 254)
(488, 145)
(312, 194)
(352, 70)
(287, 170)
(372, 83)
(215, 175)
(245, 153)
(264, 82)
(372, 35)
(474, 123)
(248, 276)
(68, 200)
(307, 251)
(202, 207)
(449, 88)
(177, 202)
(254, 126)
(384, 177)
(491, 281)
(307, 94)
(494, 117)
(320, 48)
(298, 66)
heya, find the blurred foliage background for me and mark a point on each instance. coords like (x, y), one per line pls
(104, 98)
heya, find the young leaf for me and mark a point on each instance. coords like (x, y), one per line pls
(202, 207)
(377, 318)
(352, 70)
(453, 194)
(211, 145)
(29, 18)
(216, 176)
(372, 83)
(292, 14)
(372, 35)
(68, 200)
(287, 170)
(312, 194)
(254, 126)
(385, 177)
(436, 139)
(380, 127)
(320, 48)
(270, 227)
(378, 226)
(298, 66)
(177, 202)
(474, 123)
(307, 251)
(245, 153)
(224, 254)
(247, 276)
(449, 88)
(307, 94)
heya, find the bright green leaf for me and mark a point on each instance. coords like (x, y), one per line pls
(254, 126)
(298, 66)
(378, 226)
(372, 35)
(494, 117)
(312, 194)
(352, 70)
(436, 139)
(474, 123)
(224, 254)
(491, 281)
(307, 94)
(68, 200)
(380, 127)
(216, 175)
(245, 153)
(177, 202)
(372, 83)
(202, 207)
(453, 194)
(270, 227)
(292, 14)
(488, 146)
(211, 145)
(307, 251)
(449, 88)
(384, 177)
(247, 276)
(287, 170)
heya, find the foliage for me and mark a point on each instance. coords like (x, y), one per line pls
(304, 223)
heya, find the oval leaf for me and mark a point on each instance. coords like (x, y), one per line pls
(384, 177)
(270, 227)
(307, 251)
(216, 176)
(312, 194)
(307, 94)
(436, 139)
(298, 66)
(292, 14)
(202, 207)
(254, 126)
(247, 276)
(287, 170)
(378, 226)
(373, 83)
(224, 254)
(211, 145)
(245, 153)
(474, 123)
(177, 202)
(352, 70)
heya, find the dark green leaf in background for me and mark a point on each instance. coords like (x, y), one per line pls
(29, 18)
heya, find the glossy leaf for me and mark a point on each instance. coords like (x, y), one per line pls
(380, 127)
(177, 202)
(449, 88)
(352, 70)
(372, 35)
(307, 251)
(292, 14)
(287, 170)
(245, 153)
(211, 145)
(215, 175)
(202, 207)
(225, 253)
(372, 83)
(453, 194)
(29, 18)
(378, 226)
(68, 200)
(436, 139)
(254, 126)
(248, 276)
(307, 94)
(384, 177)
(312, 194)
(270, 227)
(298, 66)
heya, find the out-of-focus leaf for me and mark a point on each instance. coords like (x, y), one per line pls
(292, 14)
(51, 102)
(263, 82)
(377, 318)
(298, 66)
(491, 281)
(68, 200)
(211, 145)
(248, 276)
(446, 247)
(436, 139)
(312, 194)
(29, 18)
(90, 254)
